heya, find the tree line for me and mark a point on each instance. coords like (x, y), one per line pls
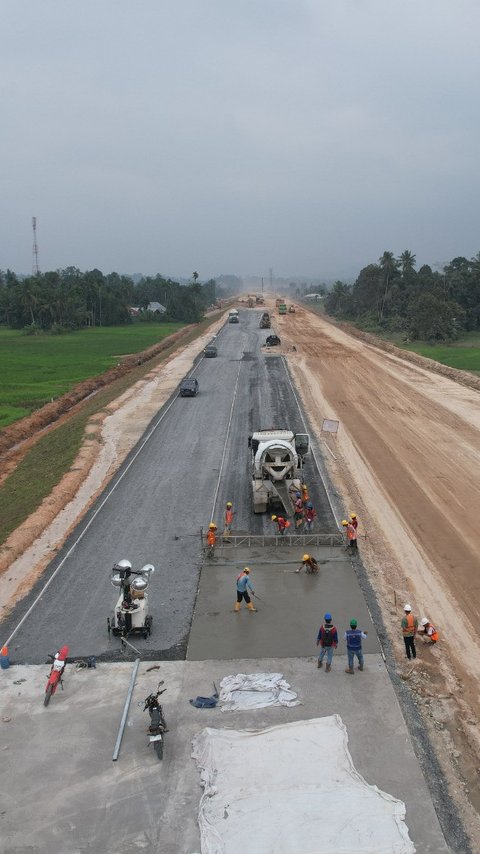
(65, 300)
(422, 304)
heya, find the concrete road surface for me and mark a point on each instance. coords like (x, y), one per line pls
(62, 794)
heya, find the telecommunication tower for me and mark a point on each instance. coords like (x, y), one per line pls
(35, 269)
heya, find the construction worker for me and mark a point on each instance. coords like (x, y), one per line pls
(327, 640)
(354, 637)
(429, 632)
(243, 586)
(229, 514)
(351, 534)
(298, 510)
(309, 563)
(354, 520)
(282, 524)
(211, 538)
(409, 630)
(305, 496)
(308, 515)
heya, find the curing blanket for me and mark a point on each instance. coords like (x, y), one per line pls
(292, 789)
(255, 691)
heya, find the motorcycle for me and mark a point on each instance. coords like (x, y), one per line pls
(59, 661)
(158, 724)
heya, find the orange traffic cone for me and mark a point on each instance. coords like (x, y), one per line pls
(4, 659)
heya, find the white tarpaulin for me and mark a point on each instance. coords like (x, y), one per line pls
(255, 691)
(292, 789)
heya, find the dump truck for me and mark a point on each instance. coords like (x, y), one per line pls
(277, 458)
(265, 321)
(233, 316)
(282, 308)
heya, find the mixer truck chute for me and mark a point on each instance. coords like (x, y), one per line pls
(277, 466)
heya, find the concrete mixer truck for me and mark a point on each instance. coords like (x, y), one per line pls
(276, 467)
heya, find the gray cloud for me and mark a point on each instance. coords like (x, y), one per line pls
(232, 137)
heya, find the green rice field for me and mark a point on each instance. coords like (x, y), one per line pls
(36, 368)
(464, 354)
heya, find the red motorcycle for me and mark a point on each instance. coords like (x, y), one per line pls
(59, 661)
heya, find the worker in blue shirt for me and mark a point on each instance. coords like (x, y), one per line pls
(354, 637)
(243, 586)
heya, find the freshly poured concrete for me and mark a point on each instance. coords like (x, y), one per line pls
(290, 605)
(62, 793)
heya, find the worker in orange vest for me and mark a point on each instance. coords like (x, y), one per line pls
(354, 520)
(429, 632)
(229, 514)
(281, 523)
(305, 496)
(211, 538)
(409, 630)
(298, 514)
(351, 534)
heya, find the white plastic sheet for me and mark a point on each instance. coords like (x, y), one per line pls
(292, 789)
(255, 691)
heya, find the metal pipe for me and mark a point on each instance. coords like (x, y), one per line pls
(126, 707)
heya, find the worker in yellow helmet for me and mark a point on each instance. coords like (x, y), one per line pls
(309, 564)
(228, 518)
(211, 538)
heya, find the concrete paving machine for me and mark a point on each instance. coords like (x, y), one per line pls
(131, 611)
(277, 466)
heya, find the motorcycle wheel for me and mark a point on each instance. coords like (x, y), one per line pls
(158, 745)
(48, 694)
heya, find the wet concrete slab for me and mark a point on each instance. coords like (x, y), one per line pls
(290, 605)
(63, 794)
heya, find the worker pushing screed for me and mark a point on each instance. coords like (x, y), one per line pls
(244, 585)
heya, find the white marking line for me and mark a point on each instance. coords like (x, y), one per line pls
(97, 511)
(226, 440)
(313, 452)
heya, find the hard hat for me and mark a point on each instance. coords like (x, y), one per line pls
(353, 624)
(328, 618)
(124, 564)
(57, 655)
(424, 621)
(212, 525)
(229, 503)
(306, 557)
(353, 515)
(407, 607)
(298, 495)
(344, 522)
(247, 569)
(274, 518)
(309, 505)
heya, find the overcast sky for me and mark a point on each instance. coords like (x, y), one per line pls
(231, 137)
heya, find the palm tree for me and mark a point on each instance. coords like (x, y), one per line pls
(407, 262)
(389, 266)
(194, 275)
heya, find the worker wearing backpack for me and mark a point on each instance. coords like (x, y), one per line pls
(327, 640)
